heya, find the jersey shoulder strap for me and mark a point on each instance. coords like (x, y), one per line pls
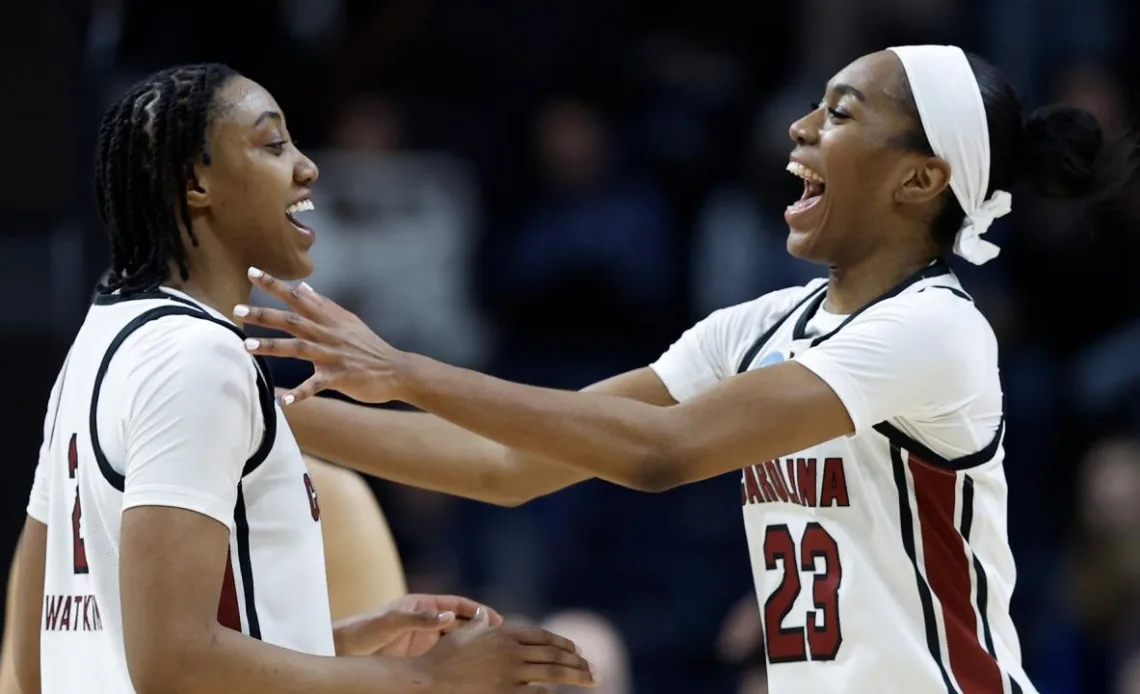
(758, 345)
(264, 385)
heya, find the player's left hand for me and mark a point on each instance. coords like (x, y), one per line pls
(406, 627)
(346, 355)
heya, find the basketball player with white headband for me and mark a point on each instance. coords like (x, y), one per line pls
(864, 409)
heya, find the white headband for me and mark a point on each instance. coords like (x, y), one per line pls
(954, 117)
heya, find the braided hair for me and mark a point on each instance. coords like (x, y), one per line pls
(148, 144)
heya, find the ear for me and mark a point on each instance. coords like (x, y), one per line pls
(198, 188)
(925, 180)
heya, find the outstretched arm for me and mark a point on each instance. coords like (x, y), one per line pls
(906, 357)
(423, 450)
(747, 418)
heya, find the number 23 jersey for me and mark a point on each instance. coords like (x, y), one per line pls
(881, 559)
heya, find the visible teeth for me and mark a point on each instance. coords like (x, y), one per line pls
(302, 206)
(797, 169)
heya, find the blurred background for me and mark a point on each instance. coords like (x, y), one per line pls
(552, 190)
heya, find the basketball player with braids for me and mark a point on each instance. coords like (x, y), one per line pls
(863, 411)
(173, 539)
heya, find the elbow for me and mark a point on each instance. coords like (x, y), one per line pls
(656, 472)
(165, 664)
(153, 674)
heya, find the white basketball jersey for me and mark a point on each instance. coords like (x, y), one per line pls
(881, 559)
(143, 372)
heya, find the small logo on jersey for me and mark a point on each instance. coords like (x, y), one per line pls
(314, 501)
(772, 358)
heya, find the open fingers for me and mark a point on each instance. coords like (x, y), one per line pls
(306, 390)
(291, 348)
(549, 655)
(542, 637)
(301, 298)
(551, 673)
(465, 608)
(286, 321)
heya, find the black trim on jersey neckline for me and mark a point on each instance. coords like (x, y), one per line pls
(893, 434)
(758, 345)
(264, 385)
(936, 269)
(112, 299)
(266, 400)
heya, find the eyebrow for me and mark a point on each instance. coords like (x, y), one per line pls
(267, 115)
(847, 89)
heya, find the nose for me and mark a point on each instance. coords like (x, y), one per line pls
(805, 131)
(306, 172)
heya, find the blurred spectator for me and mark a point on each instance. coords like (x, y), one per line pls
(396, 233)
(740, 247)
(582, 285)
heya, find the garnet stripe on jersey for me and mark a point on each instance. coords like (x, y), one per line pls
(906, 522)
(982, 594)
(229, 609)
(229, 612)
(948, 573)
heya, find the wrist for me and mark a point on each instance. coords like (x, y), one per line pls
(413, 377)
(411, 675)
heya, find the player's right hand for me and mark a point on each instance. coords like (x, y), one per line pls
(479, 659)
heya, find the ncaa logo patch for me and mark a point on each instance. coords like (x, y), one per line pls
(771, 358)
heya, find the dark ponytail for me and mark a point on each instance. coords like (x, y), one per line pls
(1060, 151)
(1065, 155)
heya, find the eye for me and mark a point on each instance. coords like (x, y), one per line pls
(277, 147)
(834, 112)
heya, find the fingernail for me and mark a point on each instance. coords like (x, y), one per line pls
(241, 310)
(306, 287)
(445, 616)
(252, 344)
(287, 399)
(254, 273)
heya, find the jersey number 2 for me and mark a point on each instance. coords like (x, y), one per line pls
(79, 551)
(820, 637)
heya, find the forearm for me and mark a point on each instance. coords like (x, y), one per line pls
(621, 440)
(422, 450)
(27, 605)
(227, 662)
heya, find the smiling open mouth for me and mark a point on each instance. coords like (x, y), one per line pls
(814, 187)
(299, 208)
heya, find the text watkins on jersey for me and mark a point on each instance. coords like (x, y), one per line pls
(71, 613)
(801, 481)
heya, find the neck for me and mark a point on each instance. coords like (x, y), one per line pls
(214, 284)
(850, 287)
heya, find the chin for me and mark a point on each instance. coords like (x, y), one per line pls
(805, 245)
(297, 267)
